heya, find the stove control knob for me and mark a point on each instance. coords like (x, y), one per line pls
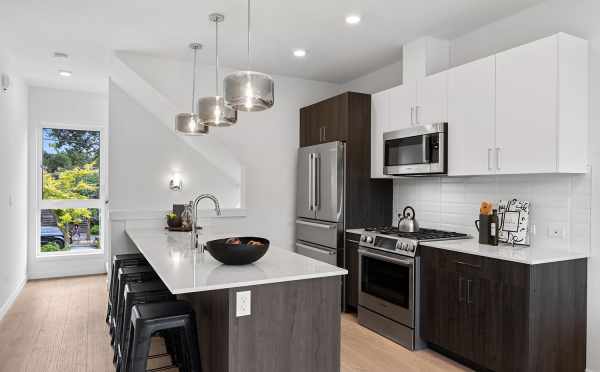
(369, 239)
(411, 248)
(363, 238)
(402, 246)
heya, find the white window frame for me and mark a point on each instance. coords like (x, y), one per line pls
(99, 203)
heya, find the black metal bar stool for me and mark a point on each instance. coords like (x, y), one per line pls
(148, 319)
(134, 274)
(118, 261)
(134, 294)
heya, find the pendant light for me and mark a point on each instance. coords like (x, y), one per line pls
(249, 90)
(212, 110)
(189, 122)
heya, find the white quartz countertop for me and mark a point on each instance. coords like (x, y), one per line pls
(185, 271)
(522, 254)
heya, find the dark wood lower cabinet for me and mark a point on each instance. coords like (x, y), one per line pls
(505, 316)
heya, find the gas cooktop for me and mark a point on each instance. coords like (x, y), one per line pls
(421, 235)
(392, 240)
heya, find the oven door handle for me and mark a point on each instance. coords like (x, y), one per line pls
(400, 261)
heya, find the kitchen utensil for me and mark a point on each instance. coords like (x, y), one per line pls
(407, 221)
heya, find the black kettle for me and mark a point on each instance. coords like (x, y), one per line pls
(407, 221)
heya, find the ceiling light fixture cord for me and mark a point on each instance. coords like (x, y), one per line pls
(217, 57)
(194, 83)
(248, 34)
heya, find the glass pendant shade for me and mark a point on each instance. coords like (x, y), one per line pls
(190, 124)
(249, 91)
(213, 112)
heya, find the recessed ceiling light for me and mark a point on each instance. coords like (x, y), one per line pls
(65, 73)
(299, 53)
(60, 55)
(353, 19)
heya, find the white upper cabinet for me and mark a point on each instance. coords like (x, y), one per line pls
(431, 105)
(380, 119)
(524, 110)
(541, 107)
(402, 106)
(471, 118)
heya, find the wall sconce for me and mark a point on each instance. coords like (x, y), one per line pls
(176, 183)
(4, 82)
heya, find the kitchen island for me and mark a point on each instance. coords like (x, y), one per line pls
(294, 322)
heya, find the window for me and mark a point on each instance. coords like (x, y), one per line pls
(70, 199)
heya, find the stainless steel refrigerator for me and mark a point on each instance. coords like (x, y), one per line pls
(320, 202)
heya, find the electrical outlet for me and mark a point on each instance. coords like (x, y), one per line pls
(557, 231)
(243, 304)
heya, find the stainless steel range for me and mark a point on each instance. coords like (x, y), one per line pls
(389, 275)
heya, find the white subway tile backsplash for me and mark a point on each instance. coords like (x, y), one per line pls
(452, 203)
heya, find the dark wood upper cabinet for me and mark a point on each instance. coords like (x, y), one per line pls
(326, 121)
(505, 316)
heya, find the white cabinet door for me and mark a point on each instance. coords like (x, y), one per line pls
(526, 108)
(471, 117)
(432, 96)
(402, 106)
(380, 116)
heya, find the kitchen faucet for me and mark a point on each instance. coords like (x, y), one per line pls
(194, 241)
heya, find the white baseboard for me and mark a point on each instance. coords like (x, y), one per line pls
(62, 274)
(11, 299)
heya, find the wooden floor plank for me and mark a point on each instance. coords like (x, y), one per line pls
(58, 325)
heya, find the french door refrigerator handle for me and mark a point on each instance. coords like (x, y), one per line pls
(310, 181)
(316, 181)
(315, 249)
(314, 224)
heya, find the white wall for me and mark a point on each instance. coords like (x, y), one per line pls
(265, 142)
(49, 106)
(580, 18)
(386, 77)
(13, 195)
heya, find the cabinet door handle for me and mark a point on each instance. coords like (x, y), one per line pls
(498, 150)
(461, 297)
(489, 158)
(417, 114)
(324, 134)
(469, 284)
(412, 115)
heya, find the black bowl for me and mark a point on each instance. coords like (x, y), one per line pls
(237, 254)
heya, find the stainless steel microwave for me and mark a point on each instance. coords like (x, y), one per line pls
(416, 151)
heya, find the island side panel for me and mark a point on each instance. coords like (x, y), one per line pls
(212, 320)
(294, 327)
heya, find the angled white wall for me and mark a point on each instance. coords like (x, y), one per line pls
(264, 142)
(13, 188)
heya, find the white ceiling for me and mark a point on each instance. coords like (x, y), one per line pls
(89, 30)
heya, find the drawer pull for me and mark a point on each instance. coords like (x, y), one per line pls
(467, 264)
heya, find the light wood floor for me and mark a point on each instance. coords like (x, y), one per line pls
(58, 326)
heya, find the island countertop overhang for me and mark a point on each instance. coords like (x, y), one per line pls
(186, 271)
